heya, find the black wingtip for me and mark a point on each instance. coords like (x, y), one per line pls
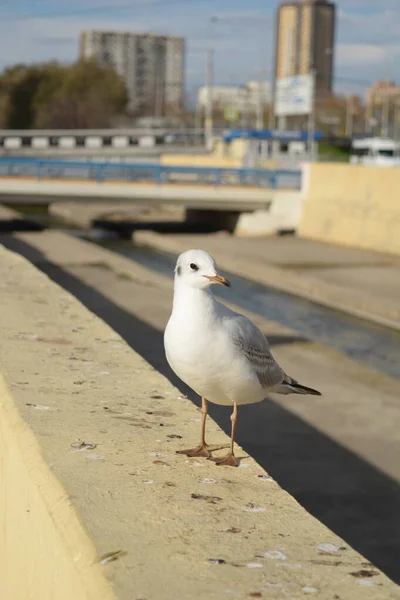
(302, 389)
(297, 388)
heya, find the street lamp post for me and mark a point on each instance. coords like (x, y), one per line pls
(311, 119)
(349, 117)
(262, 72)
(385, 115)
(208, 121)
(396, 121)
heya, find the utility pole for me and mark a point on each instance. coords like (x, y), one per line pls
(197, 116)
(368, 115)
(260, 104)
(208, 124)
(385, 116)
(349, 117)
(261, 100)
(396, 121)
(311, 118)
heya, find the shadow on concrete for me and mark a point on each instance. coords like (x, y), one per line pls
(350, 496)
(125, 228)
(196, 221)
(19, 224)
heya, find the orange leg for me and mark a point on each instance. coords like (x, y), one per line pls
(230, 460)
(202, 448)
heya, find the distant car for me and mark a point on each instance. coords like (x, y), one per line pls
(383, 152)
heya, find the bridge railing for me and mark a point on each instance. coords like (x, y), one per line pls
(143, 172)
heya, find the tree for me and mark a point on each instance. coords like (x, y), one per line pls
(87, 97)
(51, 95)
(19, 85)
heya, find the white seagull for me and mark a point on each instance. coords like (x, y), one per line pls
(217, 352)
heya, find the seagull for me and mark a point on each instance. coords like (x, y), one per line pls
(217, 352)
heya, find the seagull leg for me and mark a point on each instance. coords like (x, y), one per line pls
(202, 448)
(230, 460)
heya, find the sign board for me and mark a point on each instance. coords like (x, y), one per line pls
(270, 134)
(231, 113)
(294, 96)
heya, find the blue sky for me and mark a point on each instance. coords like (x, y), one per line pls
(367, 43)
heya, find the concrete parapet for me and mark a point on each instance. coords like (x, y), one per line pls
(356, 205)
(200, 160)
(283, 215)
(94, 502)
(46, 553)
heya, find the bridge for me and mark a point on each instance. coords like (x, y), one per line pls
(206, 193)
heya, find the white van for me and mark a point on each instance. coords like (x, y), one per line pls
(375, 151)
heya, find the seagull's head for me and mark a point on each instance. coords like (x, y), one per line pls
(197, 269)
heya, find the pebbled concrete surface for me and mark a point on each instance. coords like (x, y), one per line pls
(188, 529)
(291, 439)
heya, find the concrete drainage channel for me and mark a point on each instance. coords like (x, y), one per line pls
(375, 346)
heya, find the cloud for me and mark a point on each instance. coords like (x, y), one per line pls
(380, 28)
(237, 45)
(369, 5)
(365, 30)
(360, 54)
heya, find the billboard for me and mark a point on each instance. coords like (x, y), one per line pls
(294, 95)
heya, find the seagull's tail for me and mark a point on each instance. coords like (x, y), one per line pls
(291, 386)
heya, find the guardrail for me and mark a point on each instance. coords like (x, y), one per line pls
(154, 173)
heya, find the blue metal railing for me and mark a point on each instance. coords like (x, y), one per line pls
(42, 168)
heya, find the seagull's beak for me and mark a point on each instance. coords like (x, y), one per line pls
(218, 279)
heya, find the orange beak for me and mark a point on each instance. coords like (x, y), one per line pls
(218, 279)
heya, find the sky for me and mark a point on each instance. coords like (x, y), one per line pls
(367, 38)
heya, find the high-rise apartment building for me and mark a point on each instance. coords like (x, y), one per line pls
(305, 40)
(152, 66)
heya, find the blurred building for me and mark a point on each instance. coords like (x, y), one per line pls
(383, 108)
(305, 39)
(152, 66)
(382, 91)
(242, 98)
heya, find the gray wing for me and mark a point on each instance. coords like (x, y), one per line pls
(252, 343)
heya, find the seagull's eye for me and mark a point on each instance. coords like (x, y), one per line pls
(194, 267)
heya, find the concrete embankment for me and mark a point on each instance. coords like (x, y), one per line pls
(356, 205)
(361, 283)
(94, 502)
(11, 220)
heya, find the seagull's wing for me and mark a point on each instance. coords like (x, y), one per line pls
(254, 346)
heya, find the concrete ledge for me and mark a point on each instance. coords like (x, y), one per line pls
(184, 528)
(382, 312)
(355, 205)
(42, 537)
